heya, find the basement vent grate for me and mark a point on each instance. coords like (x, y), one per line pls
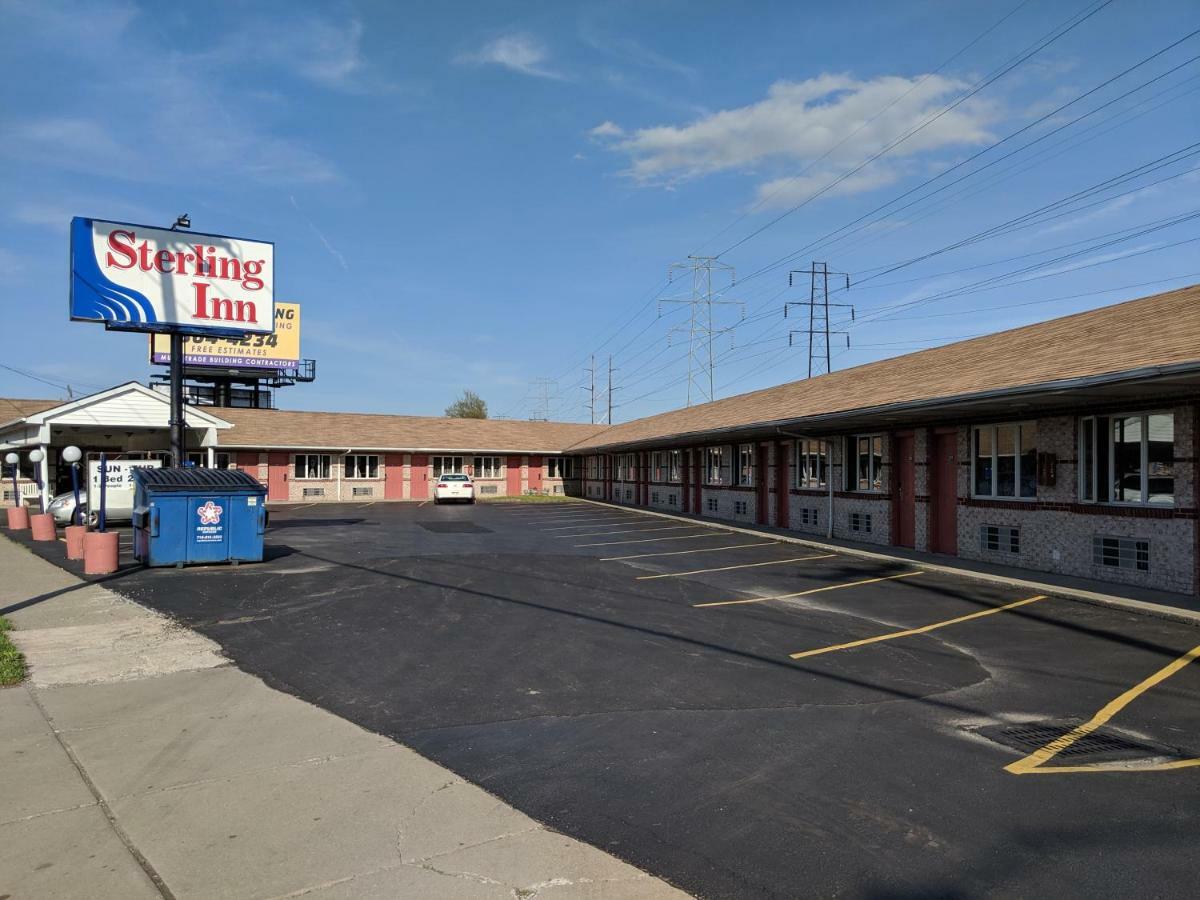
(1101, 745)
(313, 492)
(489, 489)
(364, 492)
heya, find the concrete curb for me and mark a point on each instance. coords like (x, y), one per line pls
(1142, 607)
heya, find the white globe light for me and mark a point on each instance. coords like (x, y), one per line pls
(12, 459)
(72, 454)
(36, 456)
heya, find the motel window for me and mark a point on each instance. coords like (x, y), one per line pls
(1127, 459)
(658, 465)
(312, 465)
(674, 465)
(362, 465)
(446, 465)
(620, 474)
(1004, 458)
(812, 464)
(714, 463)
(593, 467)
(865, 456)
(487, 467)
(559, 467)
(746, 465)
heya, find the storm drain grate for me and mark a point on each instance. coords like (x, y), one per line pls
(1097, 746)
(454, 528)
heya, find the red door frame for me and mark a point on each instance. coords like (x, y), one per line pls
(418, 477)
(277, 475)
(535, 473)
(761, 504)
(904, 506)
(943, 491)
(782, 485)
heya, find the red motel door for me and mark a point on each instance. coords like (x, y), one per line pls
(393, 477)
(419, 485)
(535, 473)
(277, 469)
(512, 474)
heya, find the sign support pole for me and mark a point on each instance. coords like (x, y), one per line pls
(177, 424)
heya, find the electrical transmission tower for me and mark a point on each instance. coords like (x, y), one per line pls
(818, 316)
(543, 394)
(700, 329)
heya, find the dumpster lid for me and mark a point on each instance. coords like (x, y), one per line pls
(191, 478)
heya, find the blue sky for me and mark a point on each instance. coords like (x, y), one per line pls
(480, 195)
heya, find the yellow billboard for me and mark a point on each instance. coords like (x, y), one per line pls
(278, 350)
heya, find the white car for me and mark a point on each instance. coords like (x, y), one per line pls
(454, 487)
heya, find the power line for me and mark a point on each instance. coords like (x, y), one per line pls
(1054, 35)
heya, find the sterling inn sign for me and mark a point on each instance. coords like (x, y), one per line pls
(136, 278)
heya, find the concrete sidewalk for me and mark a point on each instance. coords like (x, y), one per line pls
(137, 762)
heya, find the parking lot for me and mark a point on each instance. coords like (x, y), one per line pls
(739, 715)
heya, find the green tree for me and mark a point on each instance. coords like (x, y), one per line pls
(469, 406)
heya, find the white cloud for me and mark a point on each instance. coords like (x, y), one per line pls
(607, 129)
(798, 123)
(517, 51)
(324, 51)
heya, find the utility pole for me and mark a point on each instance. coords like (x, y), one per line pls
(818, 316)
(592, 391)
(610, 389)
(699, 328)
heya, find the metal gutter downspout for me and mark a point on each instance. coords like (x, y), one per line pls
(828, 473)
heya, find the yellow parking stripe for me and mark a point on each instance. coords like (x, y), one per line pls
(683, 552)
(562, 537)
(773, 562)
(577, 520)
(683, 537)
(1031, 763)
(828, 587)
(592, 523)
(922, 630)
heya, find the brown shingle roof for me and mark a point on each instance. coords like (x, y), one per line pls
(361, 431)
(1160, 330)
(12, 408)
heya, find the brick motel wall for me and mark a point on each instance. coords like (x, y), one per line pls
(1056, 531)
(400, 476)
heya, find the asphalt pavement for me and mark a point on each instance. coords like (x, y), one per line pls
(739, 716)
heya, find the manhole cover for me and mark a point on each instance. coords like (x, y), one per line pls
(1101, 745)
(454, 528)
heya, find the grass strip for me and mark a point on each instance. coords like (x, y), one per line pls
(12, 663)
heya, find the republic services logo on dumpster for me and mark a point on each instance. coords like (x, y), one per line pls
(209, 527)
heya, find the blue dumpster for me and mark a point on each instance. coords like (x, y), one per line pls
(190, 515)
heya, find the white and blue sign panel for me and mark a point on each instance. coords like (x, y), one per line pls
(137, 278)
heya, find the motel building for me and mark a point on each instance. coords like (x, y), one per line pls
(1068, 447)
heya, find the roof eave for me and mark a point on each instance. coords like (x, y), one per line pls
(829, 420)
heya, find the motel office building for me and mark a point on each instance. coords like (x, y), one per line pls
(1069, 447)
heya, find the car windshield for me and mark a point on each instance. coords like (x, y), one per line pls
(455, 478)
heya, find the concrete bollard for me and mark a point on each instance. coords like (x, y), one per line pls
(75, 535)
(100, 552)
(18, 518)
(41, 527)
